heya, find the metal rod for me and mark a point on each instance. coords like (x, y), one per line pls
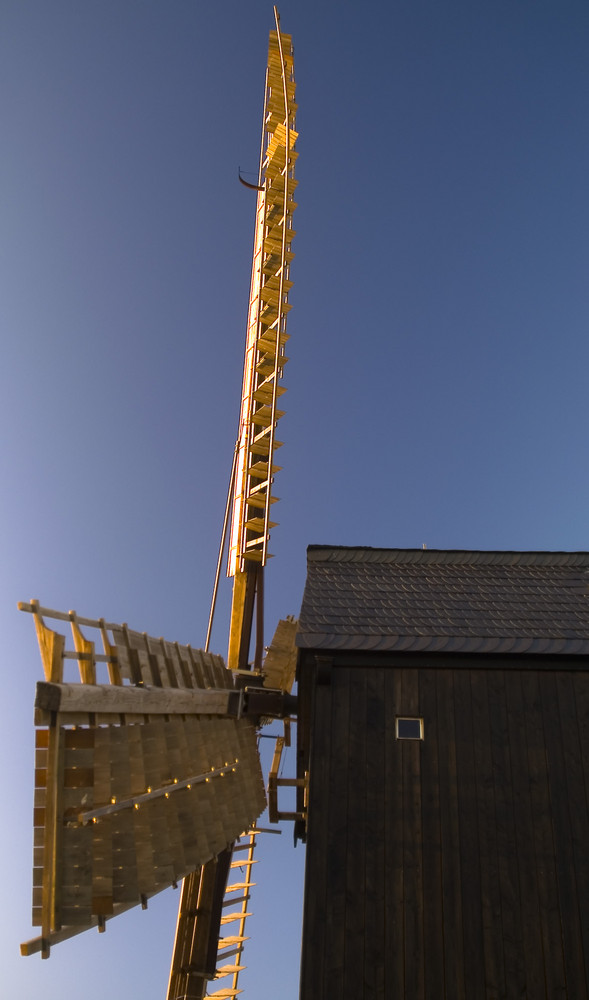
(157, 793)
(222, 546)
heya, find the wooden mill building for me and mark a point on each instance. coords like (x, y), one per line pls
(444, 726)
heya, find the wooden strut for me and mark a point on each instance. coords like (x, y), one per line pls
(222, 544)
(247, 593)
(108, 698)
(274, 783)
(50, 916)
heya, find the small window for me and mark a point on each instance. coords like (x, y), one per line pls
(408, 728)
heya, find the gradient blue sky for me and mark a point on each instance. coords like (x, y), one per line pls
(437, 387)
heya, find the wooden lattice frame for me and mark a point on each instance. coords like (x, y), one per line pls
(139, 781)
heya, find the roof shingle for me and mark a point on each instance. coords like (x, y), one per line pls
(446, 601)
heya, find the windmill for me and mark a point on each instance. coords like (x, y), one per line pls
(147, 771)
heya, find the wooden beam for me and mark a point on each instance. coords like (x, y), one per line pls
(50, 920)
(51, 645)
(244, 591)
(113, 698)
(87, 662)
(197, 933)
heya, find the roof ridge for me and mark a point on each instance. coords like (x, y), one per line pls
(499, 557)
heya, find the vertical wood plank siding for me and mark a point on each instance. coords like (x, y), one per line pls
(457, 867)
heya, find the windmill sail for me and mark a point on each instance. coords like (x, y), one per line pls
(139, 781)
(265, 349)
(266, 335)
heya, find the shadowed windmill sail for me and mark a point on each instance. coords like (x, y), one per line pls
(137, 781)
(147, 769)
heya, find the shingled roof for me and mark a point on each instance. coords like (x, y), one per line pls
(445, 601)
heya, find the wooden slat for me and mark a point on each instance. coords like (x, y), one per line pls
(527, 866)
(180, 863)
(355, 873)
(393, 780)
(433, 915)
(253, 800)
(157, 810)
(51, 646)
(563, 834)
(200, 669)
(575, 767)
(318, 845)
(168, 671)
(185, 666)
(206, 752)
(410, 797)
(114, 670)
(87, 665)
(174, 665)
(192, 816)
(543, 842)
(467, 797)
(580, 694)
(491, 915)
(102, 862)
(51, 919)
(374, 895)
(450, 833)
(506, 842)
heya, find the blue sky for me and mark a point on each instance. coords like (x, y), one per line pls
(439, 350)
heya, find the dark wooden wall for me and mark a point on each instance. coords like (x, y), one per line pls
(455, 868)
